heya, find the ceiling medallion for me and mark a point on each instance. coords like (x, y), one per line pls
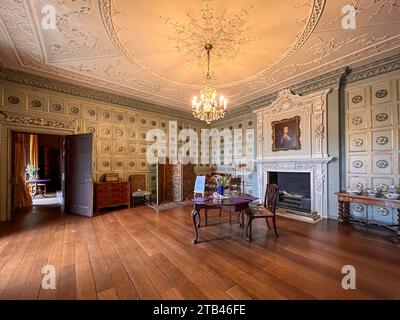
(226, 34)
(208, 108)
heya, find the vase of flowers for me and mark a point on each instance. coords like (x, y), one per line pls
(32, 172)
(222, 182)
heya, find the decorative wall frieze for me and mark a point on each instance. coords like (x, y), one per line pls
(35, 120)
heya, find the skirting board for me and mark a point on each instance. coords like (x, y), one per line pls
(299, 217)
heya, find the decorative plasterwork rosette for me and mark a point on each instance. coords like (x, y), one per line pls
(383, 212)
(382, 116)
(357, 164)
(106, 10)
(357, 99)
(13, 100)
(380, 94)
(357, 121)
(382, 164)
(358, 207)
(382, 140)
(358, 142)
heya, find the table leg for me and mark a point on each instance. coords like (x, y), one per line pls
(398, 222)
(346, 212)
(249, 231)
(44, 191)
(36, 192)
(195, 213)
(340, 213)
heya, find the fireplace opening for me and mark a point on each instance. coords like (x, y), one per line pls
(294, 190)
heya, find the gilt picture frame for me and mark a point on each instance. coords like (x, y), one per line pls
(286, 134)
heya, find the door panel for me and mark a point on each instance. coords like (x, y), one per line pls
(78, 174)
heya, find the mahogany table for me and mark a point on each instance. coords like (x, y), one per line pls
(235, 203)
(345, 198)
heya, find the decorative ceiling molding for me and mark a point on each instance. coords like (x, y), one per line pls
(136, 64)
(328, 80)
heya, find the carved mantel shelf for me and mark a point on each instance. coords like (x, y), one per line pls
(295, 160)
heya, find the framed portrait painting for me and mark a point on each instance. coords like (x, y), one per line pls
(286, 134)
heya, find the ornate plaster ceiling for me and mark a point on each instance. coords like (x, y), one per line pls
(153, 50)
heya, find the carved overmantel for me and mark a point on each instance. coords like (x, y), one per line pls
(312, 111)
(312, 157)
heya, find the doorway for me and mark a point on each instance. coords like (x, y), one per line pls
(38, 159)
(51, 171)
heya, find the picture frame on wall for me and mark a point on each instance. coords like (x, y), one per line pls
(286, 134)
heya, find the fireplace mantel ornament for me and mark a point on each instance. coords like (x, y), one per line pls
(309, 112)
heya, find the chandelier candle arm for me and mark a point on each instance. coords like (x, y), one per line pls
(208, 108)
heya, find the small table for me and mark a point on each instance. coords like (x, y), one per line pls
(345, 198)
(141, 194)
(236, 203)
(35, 190)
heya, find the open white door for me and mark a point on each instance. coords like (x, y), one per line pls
(78, 174)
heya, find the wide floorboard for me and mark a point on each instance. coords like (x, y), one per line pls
(141, 254)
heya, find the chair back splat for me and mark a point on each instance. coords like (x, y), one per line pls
(271, 197)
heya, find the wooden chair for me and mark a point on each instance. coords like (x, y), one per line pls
(210, 185)
(265, 211)
(236, 184)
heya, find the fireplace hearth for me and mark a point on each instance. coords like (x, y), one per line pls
(294, 190)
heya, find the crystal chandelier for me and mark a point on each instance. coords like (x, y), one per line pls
(208, 108)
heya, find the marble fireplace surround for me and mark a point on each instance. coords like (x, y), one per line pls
(312, 158)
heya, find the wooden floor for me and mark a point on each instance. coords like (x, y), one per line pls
(139, 254)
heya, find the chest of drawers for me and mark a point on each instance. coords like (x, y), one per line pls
(111, 194)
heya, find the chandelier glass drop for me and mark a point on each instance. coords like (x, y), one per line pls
(208, 107)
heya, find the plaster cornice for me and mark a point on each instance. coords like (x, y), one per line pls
(328, 80)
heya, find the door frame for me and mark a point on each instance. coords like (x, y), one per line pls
(5, 161)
